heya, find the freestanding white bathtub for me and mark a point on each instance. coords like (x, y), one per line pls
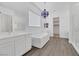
(40, 39)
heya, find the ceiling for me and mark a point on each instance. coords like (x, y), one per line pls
(22, 6)
(58, 6)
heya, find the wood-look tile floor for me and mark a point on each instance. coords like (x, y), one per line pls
(54, 47)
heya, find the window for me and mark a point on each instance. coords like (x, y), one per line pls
(34, 19)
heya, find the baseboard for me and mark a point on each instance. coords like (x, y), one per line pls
(76, 48)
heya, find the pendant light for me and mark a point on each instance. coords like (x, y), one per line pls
(44, 13)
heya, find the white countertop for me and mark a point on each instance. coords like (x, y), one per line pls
(6, 35)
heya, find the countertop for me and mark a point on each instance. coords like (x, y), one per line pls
(12, 34)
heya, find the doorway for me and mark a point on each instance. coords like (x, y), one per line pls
(56, 26)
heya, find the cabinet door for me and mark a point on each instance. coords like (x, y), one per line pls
(28, 42)
(20, 45)
(7, 49)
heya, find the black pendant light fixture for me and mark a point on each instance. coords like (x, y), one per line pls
(44, 13)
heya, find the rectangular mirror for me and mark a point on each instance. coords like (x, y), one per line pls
(34, 19)
(5, 23)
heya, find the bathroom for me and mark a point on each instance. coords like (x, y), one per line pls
(23, 25)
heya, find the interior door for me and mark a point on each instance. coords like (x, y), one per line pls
(56, 26)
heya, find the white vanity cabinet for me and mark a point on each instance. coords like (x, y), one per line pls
(20, 43)
(15, 44)
(28, 42)
(6, 47)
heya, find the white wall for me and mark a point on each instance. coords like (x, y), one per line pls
(64, 24)
(74, 26)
